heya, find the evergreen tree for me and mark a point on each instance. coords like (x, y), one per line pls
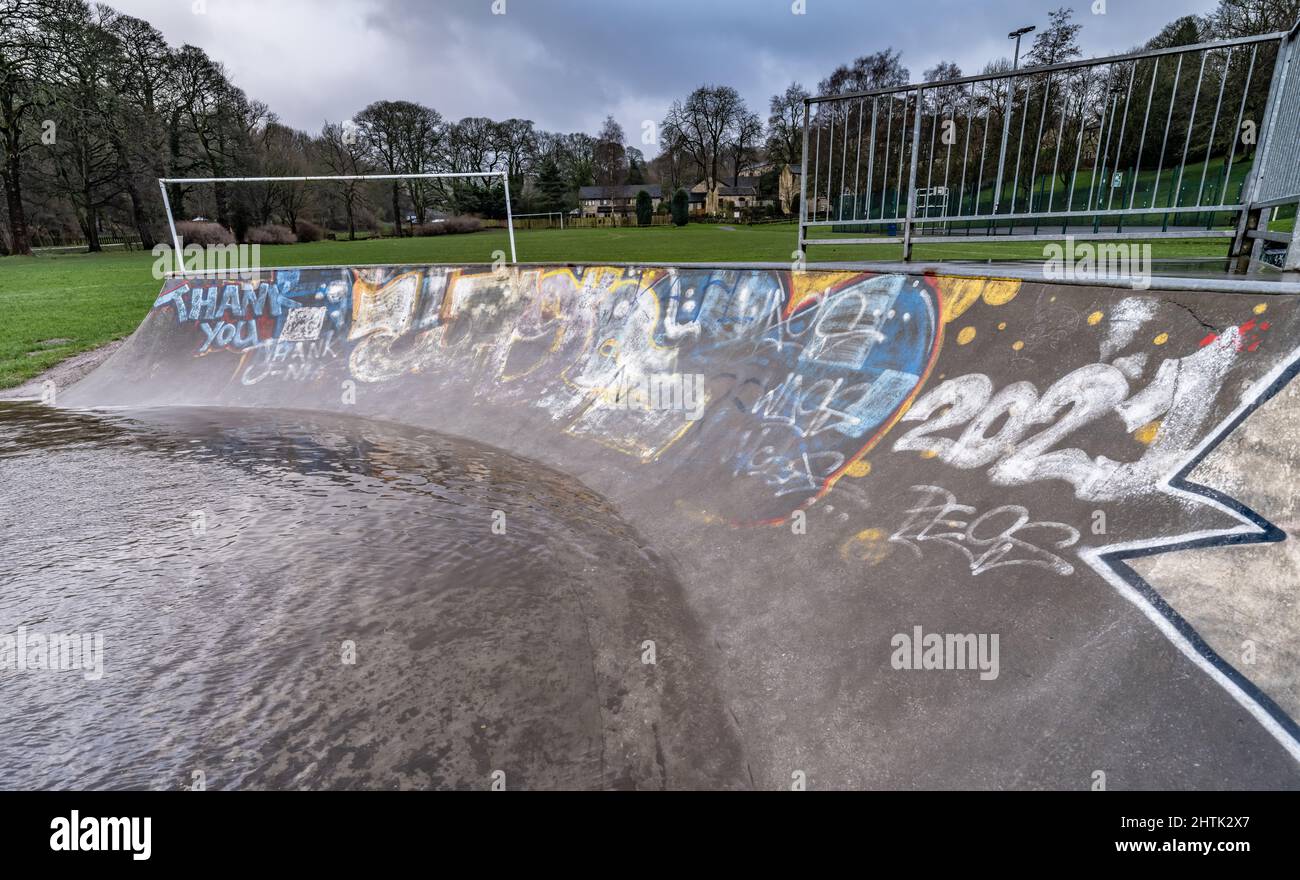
(681, 207)
(552, 185)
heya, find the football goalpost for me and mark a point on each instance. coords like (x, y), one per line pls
(185, 181)
(547, 214)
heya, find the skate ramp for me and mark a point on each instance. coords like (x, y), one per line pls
(936, 531)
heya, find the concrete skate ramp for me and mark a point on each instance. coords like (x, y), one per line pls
(936, 531)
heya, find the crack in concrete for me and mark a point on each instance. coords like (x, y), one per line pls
(1192, 312)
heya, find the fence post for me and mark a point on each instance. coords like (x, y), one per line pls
(1002, 150)
(1239, 256)
(1291, 262)
(803, 181)
(911, 178)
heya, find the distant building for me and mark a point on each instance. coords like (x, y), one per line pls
(602, 201)
(789, 181)
(743, 194)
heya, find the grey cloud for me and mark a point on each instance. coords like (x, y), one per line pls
(566, 63)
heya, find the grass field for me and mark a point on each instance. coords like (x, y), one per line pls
(56, 305)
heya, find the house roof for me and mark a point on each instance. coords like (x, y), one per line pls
(745, 186)
(627, 191)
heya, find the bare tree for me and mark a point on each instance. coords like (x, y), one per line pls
(878, 70)
(610, 159)
(142, 77)
(285, 152)
(748, 134)
(705, 127)
(84, 162)
(20, 71)
(472, 144)
(517, 149)
(403, 137)
(342, 151)
(1244, 18)
(785, 125)
(420, 146)
(212, 127)
(1057, 42)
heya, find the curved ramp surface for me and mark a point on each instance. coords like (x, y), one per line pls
(926, 524)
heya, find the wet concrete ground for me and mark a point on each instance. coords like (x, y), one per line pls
(302, 601)
(801, 597)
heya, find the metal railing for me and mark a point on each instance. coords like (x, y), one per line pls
(1153, 144)
(1275, 177)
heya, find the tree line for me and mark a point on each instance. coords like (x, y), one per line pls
(95, 106)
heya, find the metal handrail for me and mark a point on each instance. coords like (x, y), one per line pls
(1104, 136)
(1063, 65)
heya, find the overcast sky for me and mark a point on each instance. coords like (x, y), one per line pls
(565, 64)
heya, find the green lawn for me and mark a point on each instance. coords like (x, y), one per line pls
(56, 305)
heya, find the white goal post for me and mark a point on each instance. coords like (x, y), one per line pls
(559, 214)
(171, 220)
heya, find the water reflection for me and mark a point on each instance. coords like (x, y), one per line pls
(234, 562)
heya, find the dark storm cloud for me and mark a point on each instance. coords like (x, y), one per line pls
(567, 63)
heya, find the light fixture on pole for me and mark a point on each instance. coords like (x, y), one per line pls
(1016, 35)
(1006, 117)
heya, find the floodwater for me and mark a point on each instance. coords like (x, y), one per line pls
(277, 599)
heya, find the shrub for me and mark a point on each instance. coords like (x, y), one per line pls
(644, 208)
(203, 233)
(271, 233)
(308, 231)
(462, 224)
(450, 226)
(681, 207)
(366, 220)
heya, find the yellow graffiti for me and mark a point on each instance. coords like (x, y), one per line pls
(809, 284)
(1147, 433)
(959, 294)
(869, 546)
(859, 469)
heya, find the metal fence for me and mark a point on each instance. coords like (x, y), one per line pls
(1153, 144)
(1275, 177)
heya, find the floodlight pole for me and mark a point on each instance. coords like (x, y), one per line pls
(1006, 118)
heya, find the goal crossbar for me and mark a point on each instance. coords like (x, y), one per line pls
(171, 219)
